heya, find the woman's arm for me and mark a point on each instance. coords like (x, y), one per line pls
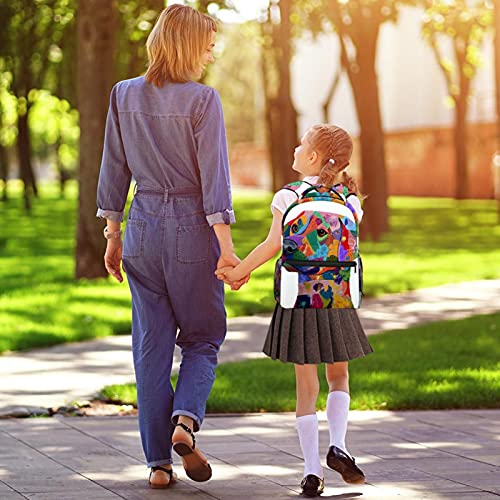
(260, 254)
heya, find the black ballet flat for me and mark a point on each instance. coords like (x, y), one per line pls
(345, 465)
(312, 486)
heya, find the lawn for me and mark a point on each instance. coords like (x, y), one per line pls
(448, 364)
(432, 242)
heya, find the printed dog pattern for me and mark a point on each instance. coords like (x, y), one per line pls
(320, 236)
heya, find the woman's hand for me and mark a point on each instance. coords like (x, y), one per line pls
(113, 258)
(226, 262)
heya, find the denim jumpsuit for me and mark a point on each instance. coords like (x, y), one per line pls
(172, 141)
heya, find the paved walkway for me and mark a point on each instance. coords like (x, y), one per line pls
(58, 375)
(405, 455)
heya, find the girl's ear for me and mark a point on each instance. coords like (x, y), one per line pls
(313, 157)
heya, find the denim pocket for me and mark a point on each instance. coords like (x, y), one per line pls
(133, 244)
(193, 243)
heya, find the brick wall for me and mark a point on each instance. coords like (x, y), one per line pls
(419, 162)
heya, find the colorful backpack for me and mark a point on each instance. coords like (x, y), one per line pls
(320, 266)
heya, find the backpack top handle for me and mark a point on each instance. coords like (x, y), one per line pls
(330, 189)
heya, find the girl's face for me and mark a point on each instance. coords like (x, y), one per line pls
(207, 57)
(306, 160)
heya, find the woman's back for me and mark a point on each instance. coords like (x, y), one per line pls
(165, 137)
(159, 128)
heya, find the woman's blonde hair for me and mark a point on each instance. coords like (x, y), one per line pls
(334, 147)
(177, 43)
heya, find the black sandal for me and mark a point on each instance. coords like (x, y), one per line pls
(195, 463)
(162, 486)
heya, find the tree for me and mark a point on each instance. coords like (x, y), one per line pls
(280, 113)
(357, 24)
(464, 24)
(29, 51)
(496, 29)
(96, 28)
(8, 129)
(136, 19)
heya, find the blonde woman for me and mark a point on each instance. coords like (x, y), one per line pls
(167, 131)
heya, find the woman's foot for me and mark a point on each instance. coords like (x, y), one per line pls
(162, 477)
(345, 465)
(312, 486)
(195, 463)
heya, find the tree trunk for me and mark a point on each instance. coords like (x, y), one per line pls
(4, 171)
(460, 140)
(285, 120)
(96, 33)
(24, 155)
(363, 78)
(496, 30)
(280, 113)
(460, 132)
(331, 91)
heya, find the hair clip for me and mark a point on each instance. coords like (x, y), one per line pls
(332, 161)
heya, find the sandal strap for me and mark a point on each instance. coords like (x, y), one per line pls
(189, 431)
(170, 472)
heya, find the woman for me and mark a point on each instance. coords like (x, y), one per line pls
(167, 131)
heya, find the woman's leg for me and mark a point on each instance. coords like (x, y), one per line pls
(153, 342)
(307, 386)
(337, 405)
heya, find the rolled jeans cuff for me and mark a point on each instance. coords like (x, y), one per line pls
(224, 217)
(186, 413)
(110, 214)
(156, 463)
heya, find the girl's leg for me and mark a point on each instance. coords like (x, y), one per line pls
(337, 412)
(307, 385)
(337, 405)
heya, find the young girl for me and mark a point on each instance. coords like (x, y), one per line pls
(307, 337)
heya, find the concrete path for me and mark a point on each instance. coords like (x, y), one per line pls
(405, 455)
(58, 375)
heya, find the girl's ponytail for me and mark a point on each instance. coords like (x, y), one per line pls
(334, 145)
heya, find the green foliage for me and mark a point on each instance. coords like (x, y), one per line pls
(32, 48)
(464, 25)
(433, 241)
(136, 19)
(53, 124)
(353, 17)
(8, 110)
(236, 76)
(448, 364)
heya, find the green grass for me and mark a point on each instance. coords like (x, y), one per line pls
(448, 364)
(433, 241)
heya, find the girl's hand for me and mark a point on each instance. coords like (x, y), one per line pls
(227, 274)
(113, 258)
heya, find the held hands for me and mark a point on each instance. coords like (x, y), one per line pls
(113, 258)
(225, 272)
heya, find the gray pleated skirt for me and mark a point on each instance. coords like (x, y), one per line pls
(313, 336)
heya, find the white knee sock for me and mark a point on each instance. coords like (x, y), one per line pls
(337, 413)
(307, 428)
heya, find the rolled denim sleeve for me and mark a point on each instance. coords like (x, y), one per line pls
(213, 163)
(115, 176)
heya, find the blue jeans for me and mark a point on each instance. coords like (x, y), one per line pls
(170, 254)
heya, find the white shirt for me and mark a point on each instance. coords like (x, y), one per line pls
(284, 198)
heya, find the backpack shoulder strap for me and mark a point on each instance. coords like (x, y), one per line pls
(296, 186)
(343, 190)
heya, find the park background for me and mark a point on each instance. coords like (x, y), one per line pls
(416, 84)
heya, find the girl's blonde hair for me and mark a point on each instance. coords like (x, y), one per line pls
(177, 43)
(334, 147)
